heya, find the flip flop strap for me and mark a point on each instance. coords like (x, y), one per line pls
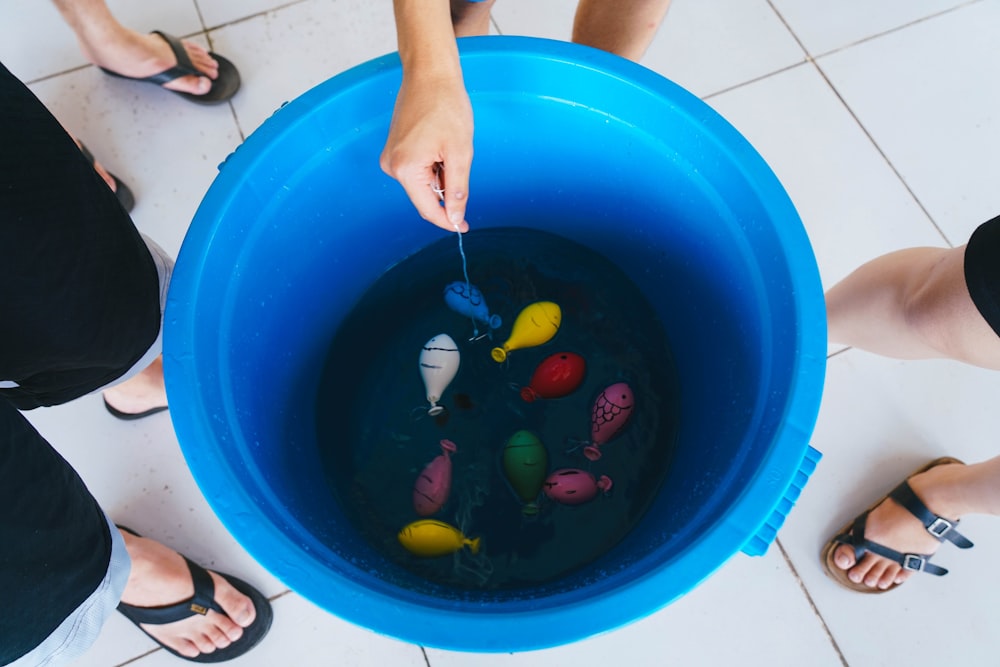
(941, 528)
(860, 544)
(199, 603)
(184, 66)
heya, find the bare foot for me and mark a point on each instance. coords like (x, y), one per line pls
(893, 526)
(160, 577)
(133, 54)
(140, 393)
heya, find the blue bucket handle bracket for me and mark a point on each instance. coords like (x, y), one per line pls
(758, 543)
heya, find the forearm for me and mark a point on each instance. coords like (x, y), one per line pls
(426, 40)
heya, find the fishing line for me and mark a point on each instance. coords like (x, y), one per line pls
(439, 191)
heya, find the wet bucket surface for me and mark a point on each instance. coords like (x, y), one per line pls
(571, 141)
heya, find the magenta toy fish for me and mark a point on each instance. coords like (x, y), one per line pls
(430, 491)
(572, 486)
(608, 417)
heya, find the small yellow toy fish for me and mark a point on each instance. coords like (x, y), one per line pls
(429, 538)
(535, 325)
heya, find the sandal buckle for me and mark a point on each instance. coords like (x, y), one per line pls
(939, 527)
(913, 562)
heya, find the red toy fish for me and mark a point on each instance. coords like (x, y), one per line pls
(558, 375)
(430, 491)
(608, 417)
(572, 486)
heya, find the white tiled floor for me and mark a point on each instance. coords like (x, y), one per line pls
(881, 119)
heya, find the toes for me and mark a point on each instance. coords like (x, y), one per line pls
(859, 573)
(201, 59)
(237, 606)
(882, 575)
(197, 85)
(216, 636)
(843, 557)
(187, 648)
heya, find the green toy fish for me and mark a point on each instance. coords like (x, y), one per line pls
(524, 463)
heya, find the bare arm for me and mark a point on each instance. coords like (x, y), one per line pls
(432, 121)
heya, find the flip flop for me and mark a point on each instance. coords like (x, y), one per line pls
(131, 416)
(853, 535)
(223, 87)
(122, 191)
(200, 603)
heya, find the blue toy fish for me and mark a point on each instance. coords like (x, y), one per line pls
(466, 299)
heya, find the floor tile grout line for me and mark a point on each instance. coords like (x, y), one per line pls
(132, 661)
(814, 61)
(881, 152)
(756, 79)
(904, 26)
(812, 603)
(242, 19)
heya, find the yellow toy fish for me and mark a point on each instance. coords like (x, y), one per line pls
(535, 325)
(429, 538)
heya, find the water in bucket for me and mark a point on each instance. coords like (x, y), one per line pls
(376, 435)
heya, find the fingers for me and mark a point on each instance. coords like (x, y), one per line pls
(420, 190)
(455, 181)
(419, 184)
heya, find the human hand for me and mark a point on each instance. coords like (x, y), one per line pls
(430, 145)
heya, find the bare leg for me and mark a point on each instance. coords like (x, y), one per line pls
(623, 27)
(912, 304)
(141, 392)
(160, 577)
(109, 44)
(951, 491)
(471, 19)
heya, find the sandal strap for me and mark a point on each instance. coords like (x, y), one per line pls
(938, 526)
(199, 603)
(184, 66)
(856, 539)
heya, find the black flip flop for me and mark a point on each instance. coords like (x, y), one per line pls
(201, 602)
(223, 87)
(131, 416)
(122, 191)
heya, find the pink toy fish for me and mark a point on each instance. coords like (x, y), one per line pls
(430, 491)
(572, 486)
(608, 417)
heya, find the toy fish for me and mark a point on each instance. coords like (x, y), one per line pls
(524, 463)
(429, 538)
(466, 299)
(558, 375)
(608, 417)
(439, 362)
(430, 491)
(535, 325)
(572, 486)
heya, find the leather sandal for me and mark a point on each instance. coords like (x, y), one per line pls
(853, 535)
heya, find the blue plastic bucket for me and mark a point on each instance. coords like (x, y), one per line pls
(569, 140)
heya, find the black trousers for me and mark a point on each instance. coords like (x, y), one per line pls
(79, 306)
